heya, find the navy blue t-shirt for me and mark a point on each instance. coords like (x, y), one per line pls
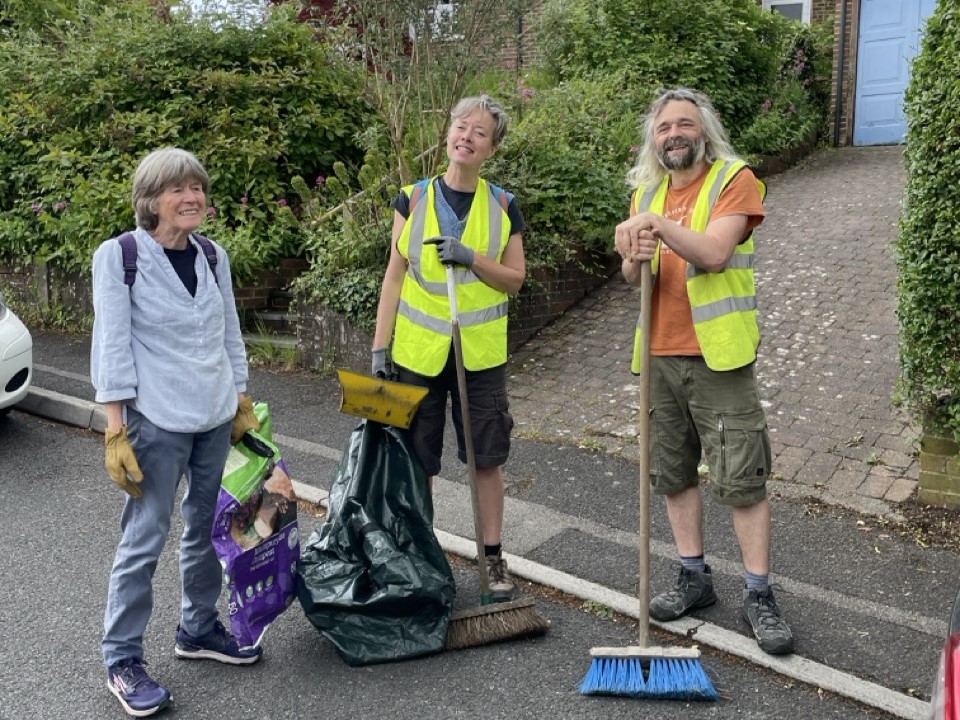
(183, 262)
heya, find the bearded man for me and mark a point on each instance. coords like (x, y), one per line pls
(693, 213)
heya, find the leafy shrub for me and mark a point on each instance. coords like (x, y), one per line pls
(725, 48)
(82, 104)
(566, 160)
(739, 55)
(796, 110)
(349, 223)
(928, 249)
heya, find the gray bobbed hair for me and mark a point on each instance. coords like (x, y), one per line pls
(486, 103)
(158, 171)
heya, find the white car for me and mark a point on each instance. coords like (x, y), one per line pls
(16, 358)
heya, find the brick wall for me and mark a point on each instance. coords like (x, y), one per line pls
(519, 50)
(262, 292)
(939, 471)
(845, 32)
(42, 287)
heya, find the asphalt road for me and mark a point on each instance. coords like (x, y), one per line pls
(59, 536)
(868, 604)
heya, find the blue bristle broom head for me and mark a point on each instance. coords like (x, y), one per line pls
(668, 679)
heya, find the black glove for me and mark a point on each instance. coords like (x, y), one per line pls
(454, 252)
(382, 364)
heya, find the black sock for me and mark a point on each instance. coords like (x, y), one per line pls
(489, 550)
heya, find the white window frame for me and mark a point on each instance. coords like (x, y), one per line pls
(804, 13)
(441, 13)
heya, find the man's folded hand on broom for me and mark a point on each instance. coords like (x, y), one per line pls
(122, 462)
(244, 420)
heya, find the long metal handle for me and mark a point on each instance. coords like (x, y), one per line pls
(467, 434)
(643, 580)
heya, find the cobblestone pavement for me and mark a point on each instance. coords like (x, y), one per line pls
(828, 361)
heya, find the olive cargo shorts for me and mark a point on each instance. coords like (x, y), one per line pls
(695, 410)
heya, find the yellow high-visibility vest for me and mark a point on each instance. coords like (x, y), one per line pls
(422, 336)
(724, 304)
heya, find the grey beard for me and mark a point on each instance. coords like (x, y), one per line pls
(693, 155)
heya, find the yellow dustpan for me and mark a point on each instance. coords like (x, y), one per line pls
(383, 401)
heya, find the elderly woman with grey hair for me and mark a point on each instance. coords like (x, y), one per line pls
(483, 226)
(168, 362)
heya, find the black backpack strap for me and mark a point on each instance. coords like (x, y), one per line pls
(128, 245)
(210, 252)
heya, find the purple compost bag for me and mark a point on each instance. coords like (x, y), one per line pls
(256, 536)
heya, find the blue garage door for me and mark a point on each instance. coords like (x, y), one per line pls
(890, 33)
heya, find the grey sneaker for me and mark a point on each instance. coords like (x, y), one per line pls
(501, 585)
(760, 611)
(692, 590)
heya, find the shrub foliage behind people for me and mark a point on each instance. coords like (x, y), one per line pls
(82, 102)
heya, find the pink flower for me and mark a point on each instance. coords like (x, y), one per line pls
(528, 92)
(60, 206)
(37, 208)
(282, 202)
(211, 212)
(244, 200)
(320, 180)
(767, 104)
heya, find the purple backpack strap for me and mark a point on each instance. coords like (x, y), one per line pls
(128, 245)
(211, 254)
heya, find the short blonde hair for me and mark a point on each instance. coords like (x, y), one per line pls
(486, 103)
(162, 169)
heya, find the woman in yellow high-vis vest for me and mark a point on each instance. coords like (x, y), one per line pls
(693, 214)
(486, 246)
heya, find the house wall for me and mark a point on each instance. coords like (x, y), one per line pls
(519, 50)
(843, 86)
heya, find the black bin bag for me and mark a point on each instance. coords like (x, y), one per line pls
(373, 578)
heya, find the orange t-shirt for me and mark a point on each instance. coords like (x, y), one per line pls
(671, 330)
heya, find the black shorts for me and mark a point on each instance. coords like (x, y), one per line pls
(490, 416)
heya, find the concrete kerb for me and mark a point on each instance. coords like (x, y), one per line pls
(90, 415)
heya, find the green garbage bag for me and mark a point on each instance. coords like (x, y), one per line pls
(373, 578)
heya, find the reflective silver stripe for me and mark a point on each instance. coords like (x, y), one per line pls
(418, 222)
(480, 317)
(737, 261)
(646, 199)
(726, 306)
(418, 317)
(467, 319)
(718, 185)
(496, 223)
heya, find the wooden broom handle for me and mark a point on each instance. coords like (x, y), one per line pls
(643, 579)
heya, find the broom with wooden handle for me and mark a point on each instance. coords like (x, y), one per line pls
(643, 670)
(491, 622)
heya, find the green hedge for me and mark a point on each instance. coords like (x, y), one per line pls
(768, 77)
(82, 103)
(928, 250)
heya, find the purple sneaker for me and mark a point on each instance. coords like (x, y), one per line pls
(218, 644)
(139, 694)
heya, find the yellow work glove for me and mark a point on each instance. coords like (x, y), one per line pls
(244, 420)
(122, 462)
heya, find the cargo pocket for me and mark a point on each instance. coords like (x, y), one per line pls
(502, 403)
(745, 456)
